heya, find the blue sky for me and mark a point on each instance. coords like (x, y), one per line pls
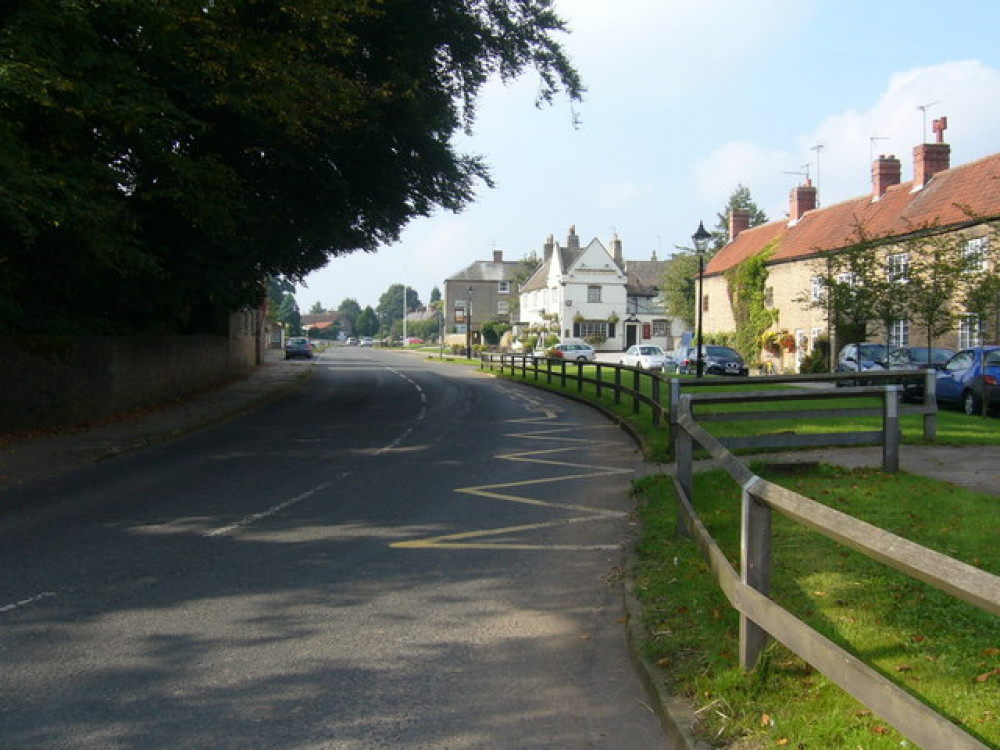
(688, 100)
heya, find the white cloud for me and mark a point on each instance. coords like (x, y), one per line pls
(893, 124)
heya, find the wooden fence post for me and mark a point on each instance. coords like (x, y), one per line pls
(755, 570)
(675, 400)
(657, 409)
(890, 429)
(618, 385)
(635, 392)
(930, 404)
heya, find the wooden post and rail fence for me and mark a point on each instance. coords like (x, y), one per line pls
(748, 590)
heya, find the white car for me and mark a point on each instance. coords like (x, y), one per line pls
(646, 357)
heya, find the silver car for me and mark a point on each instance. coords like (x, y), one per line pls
(646, 357)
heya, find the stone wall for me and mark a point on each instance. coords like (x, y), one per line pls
(47, 381)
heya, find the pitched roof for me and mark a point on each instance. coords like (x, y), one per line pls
(487, 270)
(644, 276)
(966, 194)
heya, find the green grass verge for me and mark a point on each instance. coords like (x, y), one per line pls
(953, 427)
(944, 651)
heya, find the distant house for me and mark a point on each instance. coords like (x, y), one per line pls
(592, 294)
(490, 286)
(959, 202)
(321, 321)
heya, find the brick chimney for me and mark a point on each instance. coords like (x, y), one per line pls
(886, 172)
(572, 239)
(550, 244)
(616, 250)
(931, 158)
(498, 256)
(928, 160)
(739, 219)
(803, 198)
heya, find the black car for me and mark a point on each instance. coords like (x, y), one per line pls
(917, 358)
(716, 360)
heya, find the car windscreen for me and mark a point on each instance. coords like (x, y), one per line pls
(873, 351)
(721, 351)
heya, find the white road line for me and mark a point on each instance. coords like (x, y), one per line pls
(255, 517)
(247, 520)
(26, 602)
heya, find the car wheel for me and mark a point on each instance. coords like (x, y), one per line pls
(970, 404)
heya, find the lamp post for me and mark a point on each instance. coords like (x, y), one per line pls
(468, 325)
(700, 238)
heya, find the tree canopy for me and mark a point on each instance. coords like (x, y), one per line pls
(173, 156)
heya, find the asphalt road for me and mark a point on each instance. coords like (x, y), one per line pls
(403, 554)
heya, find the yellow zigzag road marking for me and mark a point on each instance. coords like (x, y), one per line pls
(466, 540)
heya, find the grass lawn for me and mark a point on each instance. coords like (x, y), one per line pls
(946, 652)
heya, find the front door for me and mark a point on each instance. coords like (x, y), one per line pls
(630, 334)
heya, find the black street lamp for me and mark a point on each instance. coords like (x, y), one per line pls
(700, 238)
(468, 325)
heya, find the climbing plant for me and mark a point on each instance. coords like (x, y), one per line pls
(746, 283)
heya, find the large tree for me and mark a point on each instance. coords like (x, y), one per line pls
(391, 303)
(170, 156)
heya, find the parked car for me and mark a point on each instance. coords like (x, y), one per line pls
(577, 352)
(646, 357)
(917, 358)
(716, 360)
(414, 340)
(970, 376)
(366, 341)
(298, 346)
(866, 357)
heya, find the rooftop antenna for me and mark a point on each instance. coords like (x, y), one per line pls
(803, 174)
(817, 148)
(923, 108)
(871, 146)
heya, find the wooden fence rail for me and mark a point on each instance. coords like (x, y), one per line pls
(761, 618)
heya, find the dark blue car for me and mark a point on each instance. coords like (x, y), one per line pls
(969, 378)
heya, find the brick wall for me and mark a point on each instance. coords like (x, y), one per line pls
(46, 381)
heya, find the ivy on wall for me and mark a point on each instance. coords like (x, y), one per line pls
(746, 283)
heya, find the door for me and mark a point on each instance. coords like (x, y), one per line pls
(630, 334)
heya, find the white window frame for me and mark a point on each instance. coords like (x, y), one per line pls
(593, 293)
(899, 333)
(816, 293)
(974, 254)
(503, 287)
(969, 330)
(897, 267)
(660, 329)
(503, 307)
